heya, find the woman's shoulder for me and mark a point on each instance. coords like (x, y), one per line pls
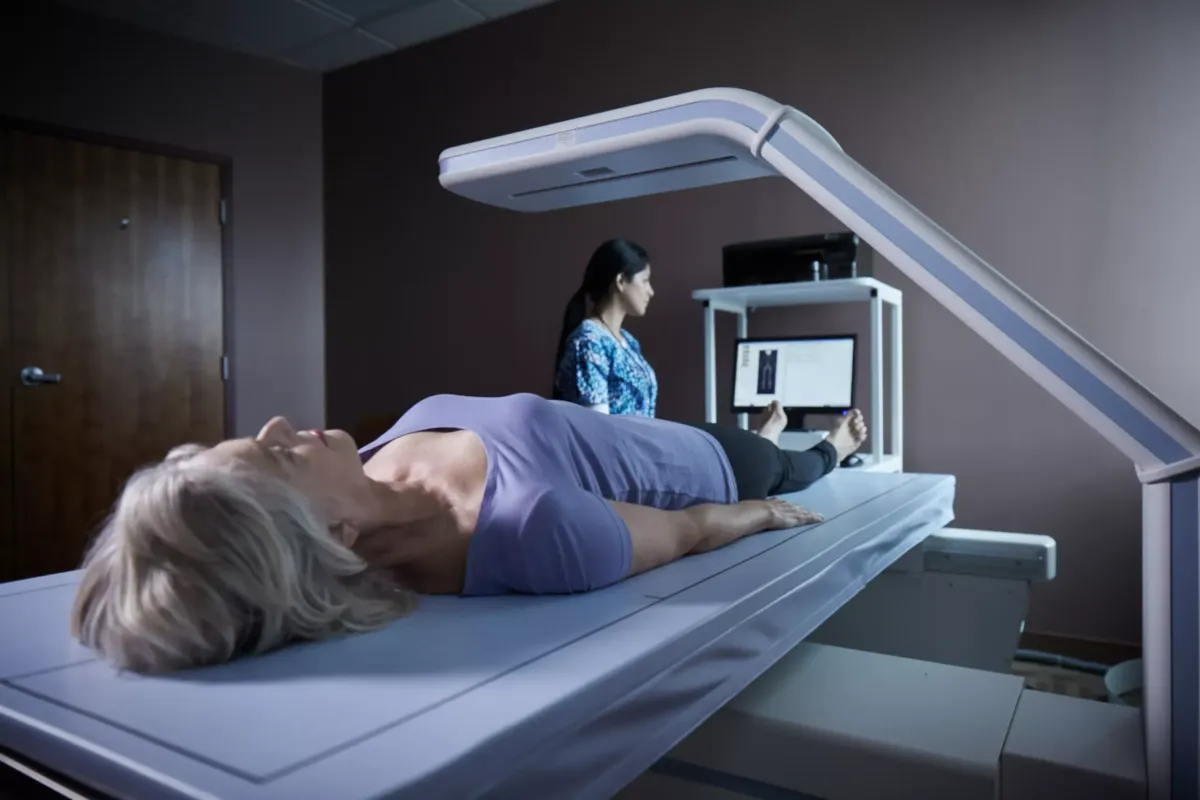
(590, 335)
(547, 538)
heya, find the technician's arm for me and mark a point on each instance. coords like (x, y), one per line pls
(660, 537)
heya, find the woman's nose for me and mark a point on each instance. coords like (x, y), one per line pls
(277, 431)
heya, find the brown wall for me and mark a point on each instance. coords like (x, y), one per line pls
(82, 72)
(1055, 138)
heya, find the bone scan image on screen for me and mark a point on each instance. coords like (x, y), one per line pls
(809, 373)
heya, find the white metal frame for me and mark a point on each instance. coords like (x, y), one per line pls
(721, 135)
(741, 300)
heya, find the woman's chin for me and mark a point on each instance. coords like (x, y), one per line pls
(340, 439)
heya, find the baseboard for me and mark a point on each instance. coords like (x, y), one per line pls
(1097, 650)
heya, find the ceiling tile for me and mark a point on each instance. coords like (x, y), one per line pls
(267, 27)
(360, 10)
(425, 23)
(494, 9)
(337, 50)
(312, 34)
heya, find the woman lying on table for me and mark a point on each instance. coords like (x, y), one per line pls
(291, 535)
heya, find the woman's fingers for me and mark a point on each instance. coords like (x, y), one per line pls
(791, 516)
(807, 516)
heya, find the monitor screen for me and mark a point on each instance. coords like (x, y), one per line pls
(812, 374)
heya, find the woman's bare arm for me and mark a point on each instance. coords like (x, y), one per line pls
(660, 537)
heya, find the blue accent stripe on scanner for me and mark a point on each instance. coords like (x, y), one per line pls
(1053, 357)
(1107, 401)
(723, 780)
(1185, 638)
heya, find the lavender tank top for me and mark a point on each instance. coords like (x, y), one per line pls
(546, 526)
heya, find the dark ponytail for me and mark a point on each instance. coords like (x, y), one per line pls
(614, 257)
(574, 316)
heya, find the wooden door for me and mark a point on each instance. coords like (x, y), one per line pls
(113, 266)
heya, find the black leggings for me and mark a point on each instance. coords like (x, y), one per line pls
(762, 470)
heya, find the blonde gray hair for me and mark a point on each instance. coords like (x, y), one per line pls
(201, 563)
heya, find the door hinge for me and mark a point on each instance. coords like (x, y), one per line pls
(221, 211)
(224, 368)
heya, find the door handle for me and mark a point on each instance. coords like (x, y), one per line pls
(34, 376)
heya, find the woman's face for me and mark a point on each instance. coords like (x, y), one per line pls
(324, 465)
(635, 293)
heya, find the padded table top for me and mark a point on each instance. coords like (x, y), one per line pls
(468, 697)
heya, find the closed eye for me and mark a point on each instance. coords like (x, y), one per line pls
(280, 455)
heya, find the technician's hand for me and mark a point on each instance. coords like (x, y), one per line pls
(782, 514)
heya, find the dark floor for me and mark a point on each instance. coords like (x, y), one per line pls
(16, 786)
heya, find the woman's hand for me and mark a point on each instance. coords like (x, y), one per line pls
(780, 514)
(659, 537)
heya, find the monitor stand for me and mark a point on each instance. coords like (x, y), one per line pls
(795, 424)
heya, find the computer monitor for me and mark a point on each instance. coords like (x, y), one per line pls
(806, 374)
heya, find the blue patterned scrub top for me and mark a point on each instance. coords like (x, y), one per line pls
(596, 368)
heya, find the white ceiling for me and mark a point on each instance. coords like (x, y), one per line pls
(317, 35)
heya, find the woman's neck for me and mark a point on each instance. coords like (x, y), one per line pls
(612, 316)
(399, 502)
(426, 492)
(406, 521)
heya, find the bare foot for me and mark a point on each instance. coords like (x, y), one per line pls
(772, 423)
(848, 434)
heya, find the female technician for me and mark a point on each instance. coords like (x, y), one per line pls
(598, 363)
